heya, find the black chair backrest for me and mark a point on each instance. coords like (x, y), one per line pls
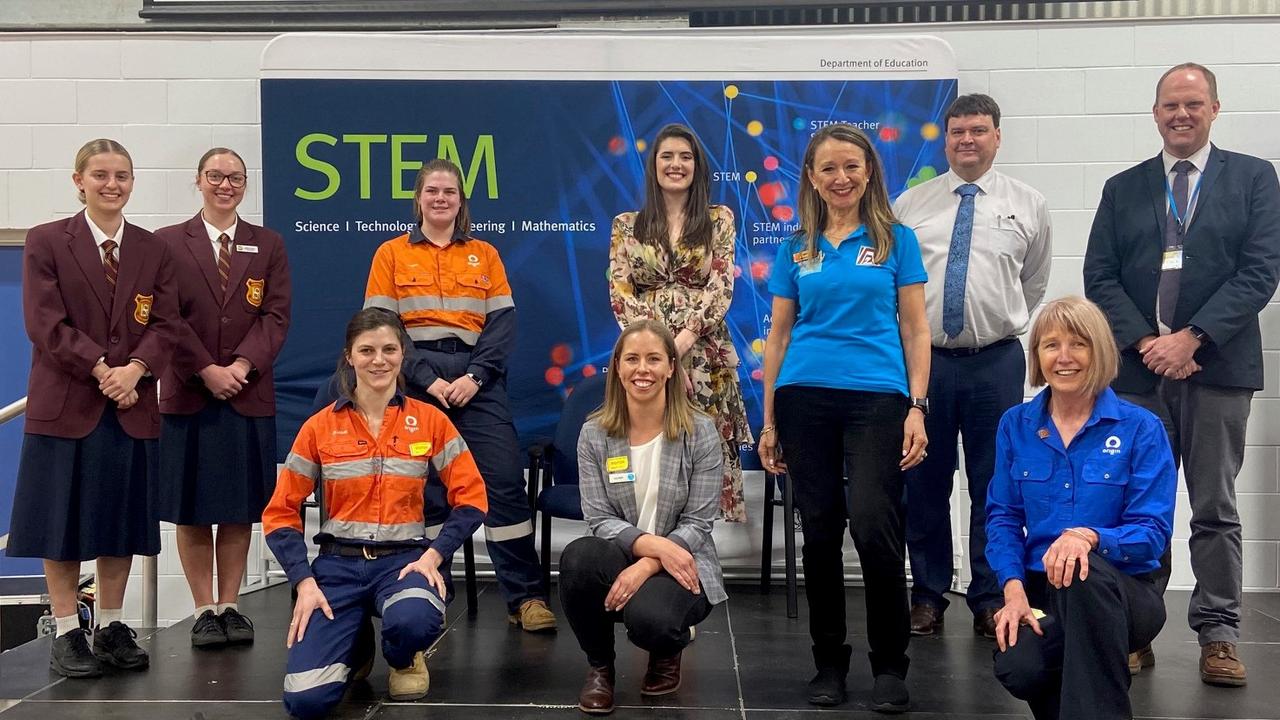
(585, 398)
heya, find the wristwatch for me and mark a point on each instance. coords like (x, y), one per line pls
(475, 379)
(922, 403)
(1198, 334)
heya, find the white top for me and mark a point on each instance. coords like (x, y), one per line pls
(100, 236)
(647, 459)
(1009, 254)
(215, 233)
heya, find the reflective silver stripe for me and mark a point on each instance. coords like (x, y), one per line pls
(465, 304)
(311, 679)
(451, 450)
(443, 333)
(352, 530)
(433, 531)
(347, 470)
(420, 302)
(498, 302)
(508, 532)
(407, 468)
(302, 466)
(382, 301)
(414, 593)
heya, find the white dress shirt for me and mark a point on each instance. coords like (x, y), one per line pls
(100, 237)
(215, 233)
(1009, 253)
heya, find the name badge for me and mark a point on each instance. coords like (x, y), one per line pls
(810, 265)
(1172, 259)
(621, 477)
(616, 464)
(247, 249)
(418, 449)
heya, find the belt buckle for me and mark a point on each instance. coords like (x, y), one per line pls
(365, 550)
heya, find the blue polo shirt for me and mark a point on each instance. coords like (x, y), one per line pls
(846, 328)
(1117, 478)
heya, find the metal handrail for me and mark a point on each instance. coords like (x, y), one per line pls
(150, 568)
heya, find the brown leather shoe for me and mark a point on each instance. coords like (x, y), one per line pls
(984, 623)
(1143, 658)
(1219, 665)
(925, 619)
(596, 697)
(662, 676)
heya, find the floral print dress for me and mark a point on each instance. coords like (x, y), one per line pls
(684, 288)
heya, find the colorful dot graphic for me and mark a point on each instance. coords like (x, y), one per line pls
(589, 370)
(798, 123)
(770, 163)
(617, 145)
(641, 145)
(889, 134)
(750, 176)
(757, 374)
(757, 346)
(783, 213)
(772, 193)
(731, 91)
(759, 270)
(930, 131)
(754, 128)
(554, 376)
(562, 354)
(928, 172)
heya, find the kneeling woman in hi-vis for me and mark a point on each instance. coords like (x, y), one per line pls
(650, 480)
(367, 457)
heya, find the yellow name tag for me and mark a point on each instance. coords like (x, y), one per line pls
(419, 449)
(616, 464)
(1038, 613)
(802, 256)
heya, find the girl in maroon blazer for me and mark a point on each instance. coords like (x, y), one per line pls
(217, 439)
(98, 304)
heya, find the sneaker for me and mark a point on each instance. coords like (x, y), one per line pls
(1220, 665)
(208, 632)
(828, 685)
(114, 644)
(410, 683)
(534, 616)
(890, 695)
(70, 656)
(1143, 658)
(239, 629)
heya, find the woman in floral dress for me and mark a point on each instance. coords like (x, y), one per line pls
(673, 262)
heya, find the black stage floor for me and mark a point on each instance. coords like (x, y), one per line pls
(749, 662)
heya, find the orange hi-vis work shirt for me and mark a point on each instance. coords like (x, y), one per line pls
(439, 292)
(371, 489)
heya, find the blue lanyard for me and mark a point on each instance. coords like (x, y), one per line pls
(1191, 201)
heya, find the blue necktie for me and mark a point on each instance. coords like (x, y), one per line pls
(958, 263)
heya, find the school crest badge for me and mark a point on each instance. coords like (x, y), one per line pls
(142, 308)
(253, 291)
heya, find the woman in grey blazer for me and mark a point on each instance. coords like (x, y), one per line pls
(650, 479)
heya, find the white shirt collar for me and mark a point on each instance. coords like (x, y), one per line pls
(215, 232)
(1199, 158)
(100, 236)
(984, 183)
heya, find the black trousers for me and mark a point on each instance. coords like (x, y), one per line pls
(1079, 670)
(657, 617)
(827, 435)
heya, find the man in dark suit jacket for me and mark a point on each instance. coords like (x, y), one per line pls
(1183, 255)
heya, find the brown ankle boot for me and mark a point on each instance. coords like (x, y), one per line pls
(662, 676)
(596, 696)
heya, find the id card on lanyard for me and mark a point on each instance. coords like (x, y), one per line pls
(1172, 258)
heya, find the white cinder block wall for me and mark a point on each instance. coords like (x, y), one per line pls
(1075, 94)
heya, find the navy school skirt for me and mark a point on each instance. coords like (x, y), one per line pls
(87, 498)
(216, 466)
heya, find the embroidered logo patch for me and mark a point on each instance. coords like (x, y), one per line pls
(867, 256)
(142, 308)
(253, 291)
(1111, 445)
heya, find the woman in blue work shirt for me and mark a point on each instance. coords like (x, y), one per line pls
(848, 353)
(1078, 513)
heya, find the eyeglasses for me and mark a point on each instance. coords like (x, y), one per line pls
(215, 178)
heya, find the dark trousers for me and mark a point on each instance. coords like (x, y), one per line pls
(967, 397)
(827, 435)
(1206, 426)
(1079, 669)
(657, 617)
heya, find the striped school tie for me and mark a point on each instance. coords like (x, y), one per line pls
(111, 265)
(224, 260)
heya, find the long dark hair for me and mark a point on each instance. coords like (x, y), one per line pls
(651, 221)
(873, 209)
(370, 318)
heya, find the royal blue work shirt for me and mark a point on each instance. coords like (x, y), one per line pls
(846, 332)
(1117, 478)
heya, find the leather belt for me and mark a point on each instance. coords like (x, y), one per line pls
(449, 345)
(368, 552)
(968, 352)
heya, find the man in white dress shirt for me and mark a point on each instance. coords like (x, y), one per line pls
(984, 237)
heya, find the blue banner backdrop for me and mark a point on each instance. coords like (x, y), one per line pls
(548, 164)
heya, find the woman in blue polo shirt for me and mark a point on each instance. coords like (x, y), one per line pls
(846, 368)
(1079, 510)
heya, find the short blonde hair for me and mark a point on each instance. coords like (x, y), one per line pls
(1082, 318)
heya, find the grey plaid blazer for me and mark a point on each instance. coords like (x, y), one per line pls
(688, 495)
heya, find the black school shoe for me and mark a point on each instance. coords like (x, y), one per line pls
(70, 656)
(208, 632)
(115, 644)
(238, 628)
(890, 695)
(827, 687)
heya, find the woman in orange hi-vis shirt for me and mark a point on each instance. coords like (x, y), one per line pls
(367, 458)
(451, 291)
